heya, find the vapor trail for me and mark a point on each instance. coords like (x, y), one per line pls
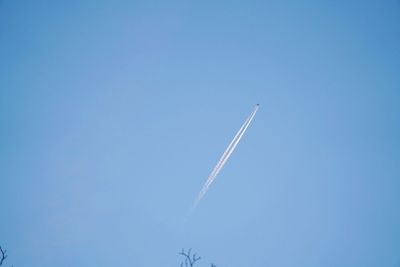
(225, 156)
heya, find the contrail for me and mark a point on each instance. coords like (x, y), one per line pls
(224, 158)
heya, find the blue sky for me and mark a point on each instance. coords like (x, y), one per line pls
(113, 113)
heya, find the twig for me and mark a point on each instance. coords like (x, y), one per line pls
(3, 255)
(190, 260)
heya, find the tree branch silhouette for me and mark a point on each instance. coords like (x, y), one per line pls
(3, 255)
(189, 260)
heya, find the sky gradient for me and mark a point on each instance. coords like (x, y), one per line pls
(113, 113)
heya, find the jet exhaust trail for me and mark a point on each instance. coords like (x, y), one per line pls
(225, 156)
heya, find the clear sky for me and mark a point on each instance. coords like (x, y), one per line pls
(113, 113)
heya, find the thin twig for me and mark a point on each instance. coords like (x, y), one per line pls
(190, 260)
(3, 255)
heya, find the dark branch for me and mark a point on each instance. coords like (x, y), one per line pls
(190, 259)
(3, 255)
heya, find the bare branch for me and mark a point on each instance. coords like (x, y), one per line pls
(3, 255)
(190, 259)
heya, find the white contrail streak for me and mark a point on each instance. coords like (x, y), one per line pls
(224, 158)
